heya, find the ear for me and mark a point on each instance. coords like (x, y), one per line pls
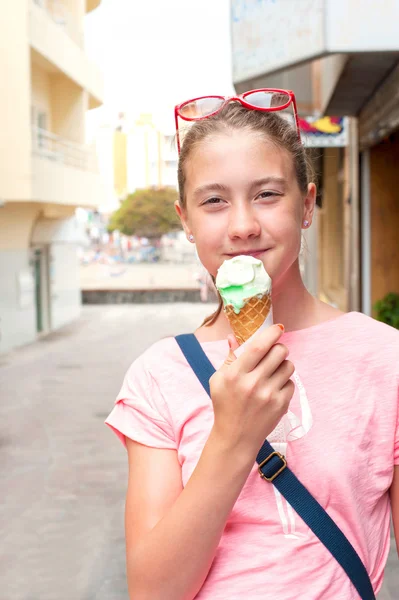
(309, 204)
(183, 218)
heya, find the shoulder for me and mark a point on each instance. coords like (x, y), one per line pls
(162, 358)
(151, 372)
(370, 339)
(163, 351)
(350, 339)
(369, 329)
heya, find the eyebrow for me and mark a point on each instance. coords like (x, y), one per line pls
(211, 187)
(267, 180)
(219, 187)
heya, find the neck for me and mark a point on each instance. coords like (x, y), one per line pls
(293, 306)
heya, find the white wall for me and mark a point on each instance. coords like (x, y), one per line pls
(271, 36)
(309, 256)
(17, 311)
(19, 228)
(65, 295)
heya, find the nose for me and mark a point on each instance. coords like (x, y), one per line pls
(243, 223)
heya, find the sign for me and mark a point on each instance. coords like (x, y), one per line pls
(324, 132)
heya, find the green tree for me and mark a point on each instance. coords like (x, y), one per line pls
(147, 213)
(387, 309)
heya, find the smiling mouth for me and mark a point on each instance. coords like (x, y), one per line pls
(253, 253)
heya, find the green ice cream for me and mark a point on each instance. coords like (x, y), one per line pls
(241, 278)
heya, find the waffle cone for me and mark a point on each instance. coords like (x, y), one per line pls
(250, 318)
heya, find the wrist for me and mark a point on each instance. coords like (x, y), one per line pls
(241, 455)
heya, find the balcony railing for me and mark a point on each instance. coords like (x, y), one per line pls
(55, 148)
(59, 13)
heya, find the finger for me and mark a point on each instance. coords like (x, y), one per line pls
(259, 347)
(282, 375)
(286, 393)
(231, 338)
(272, 361)
(233, 345)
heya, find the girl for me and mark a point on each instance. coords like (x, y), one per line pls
(200, 522)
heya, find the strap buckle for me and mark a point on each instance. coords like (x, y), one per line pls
(280, 470)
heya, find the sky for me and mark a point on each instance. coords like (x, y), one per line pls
(157, 53)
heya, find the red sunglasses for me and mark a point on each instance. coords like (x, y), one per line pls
(264, 99)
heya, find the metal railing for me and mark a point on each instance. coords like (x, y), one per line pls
(55, 148)
(59, 13)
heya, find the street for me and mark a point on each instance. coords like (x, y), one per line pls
(63, 473)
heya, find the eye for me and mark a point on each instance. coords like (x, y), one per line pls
(268, 194)
(213, 200)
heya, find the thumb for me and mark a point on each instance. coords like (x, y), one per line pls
(233, 345)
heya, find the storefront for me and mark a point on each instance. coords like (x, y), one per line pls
(379, 146)
(327, 252)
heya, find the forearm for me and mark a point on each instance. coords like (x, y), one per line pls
(173, 559)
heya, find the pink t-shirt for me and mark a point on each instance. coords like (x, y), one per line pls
(341, 439)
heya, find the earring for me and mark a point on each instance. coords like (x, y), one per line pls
(190, 238)
(306, 223)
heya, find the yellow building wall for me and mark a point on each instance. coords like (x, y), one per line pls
(69, 106)
(15, 148)
(76, 9)
(41, 92)
(65, 55)
(16, 224)
(120, 163)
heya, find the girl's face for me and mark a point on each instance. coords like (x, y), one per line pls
(242, 197)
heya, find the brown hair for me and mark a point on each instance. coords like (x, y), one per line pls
(232, 117)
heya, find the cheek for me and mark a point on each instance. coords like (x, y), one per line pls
(285, 227)
(209, 235)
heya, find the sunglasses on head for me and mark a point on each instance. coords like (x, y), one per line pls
(264, 99)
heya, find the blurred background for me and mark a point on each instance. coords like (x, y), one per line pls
(93, 264)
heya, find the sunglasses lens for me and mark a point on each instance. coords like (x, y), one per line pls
(276, 100)
(200, 108)
(267, 99)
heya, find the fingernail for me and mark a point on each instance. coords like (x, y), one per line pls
(281, 327)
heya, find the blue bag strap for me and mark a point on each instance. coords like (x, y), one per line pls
(273, 467)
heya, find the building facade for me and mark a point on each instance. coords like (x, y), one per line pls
(46, 168)
(145, 155)
(341, 58)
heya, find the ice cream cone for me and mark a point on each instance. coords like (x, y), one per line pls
(246, 290)
(251, 316)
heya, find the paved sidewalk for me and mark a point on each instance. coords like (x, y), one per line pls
(140, 276)
(63, 473)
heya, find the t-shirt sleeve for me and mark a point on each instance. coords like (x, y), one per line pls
(396, 446)
(140, 412)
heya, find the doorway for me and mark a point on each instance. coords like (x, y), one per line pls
(37, 268)
(384, 218)
(40, 273)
